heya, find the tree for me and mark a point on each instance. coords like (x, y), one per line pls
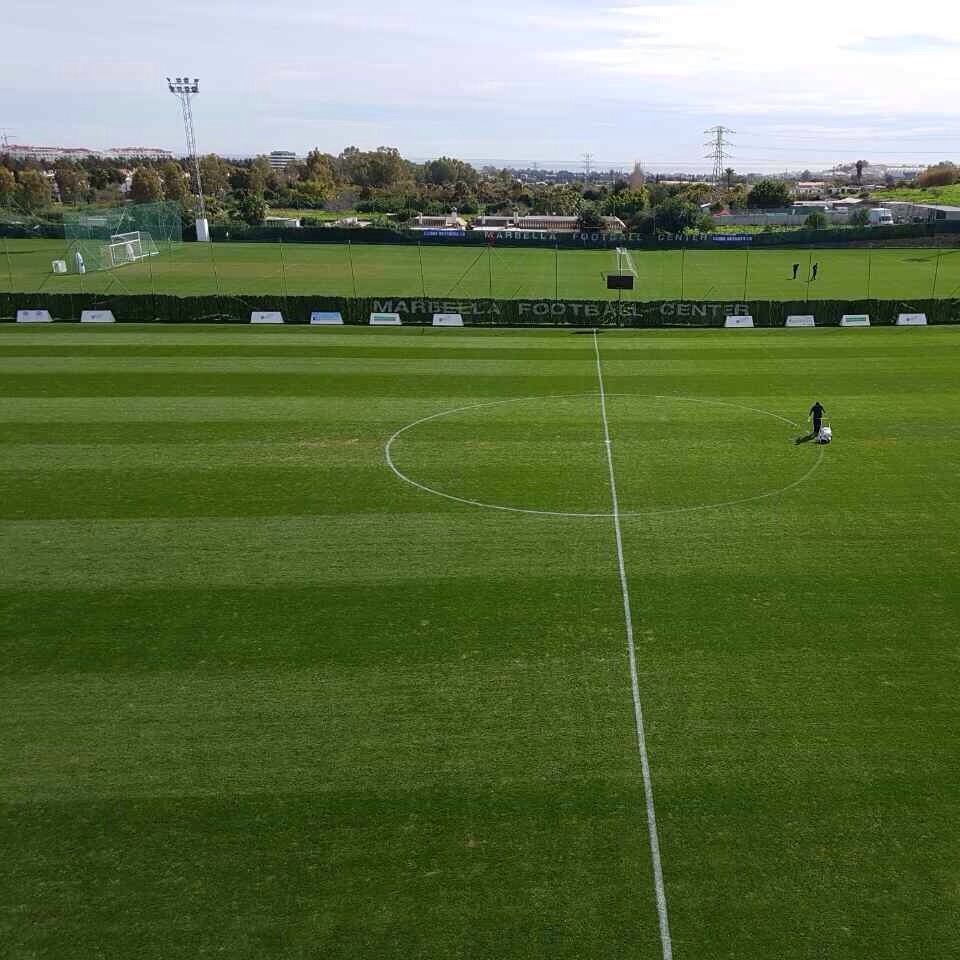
(250, 208)
(102, 174)
(146, 186)
(816, 221)
(215, 173)
(321, 168)
(72, 182)
(446, 170)
(859, 217)
(675, 215)
(940, 175)
(380, 168)
(33, 191)
(860, 164)
(309, 193)
(8, 186)
(626, 204)
(736, 197)
(174, 181)
(697, 193)
(728, 176)
(768, 195)
(564, 201)
(590, 221)
(260, 174)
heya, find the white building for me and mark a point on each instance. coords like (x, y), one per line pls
(906, 211)
(450, 221)
(137, 153)
(810, 188)
(280, 158)
(541, 223)
(22, 151)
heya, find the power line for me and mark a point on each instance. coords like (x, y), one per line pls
(588, 164)
(719, 150)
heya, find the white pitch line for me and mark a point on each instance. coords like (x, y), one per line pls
(657, 511)
(660, 891)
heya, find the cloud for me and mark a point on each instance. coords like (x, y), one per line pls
(904, 43)
(524, 78)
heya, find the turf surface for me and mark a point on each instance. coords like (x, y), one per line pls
(261, 698)
(503, 273)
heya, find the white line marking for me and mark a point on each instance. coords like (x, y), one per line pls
(659, 511)
(661, 894)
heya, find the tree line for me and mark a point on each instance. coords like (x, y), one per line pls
(384, 187)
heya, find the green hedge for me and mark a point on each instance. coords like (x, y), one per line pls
(147, 308)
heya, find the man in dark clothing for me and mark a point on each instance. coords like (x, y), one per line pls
(796, 270)
(816, 415)
(813, 275)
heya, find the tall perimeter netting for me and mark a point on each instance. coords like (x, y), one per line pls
(104, 238)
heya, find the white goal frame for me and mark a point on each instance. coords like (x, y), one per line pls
(125, 248)
(625, 259)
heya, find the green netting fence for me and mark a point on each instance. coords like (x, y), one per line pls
(109, 238)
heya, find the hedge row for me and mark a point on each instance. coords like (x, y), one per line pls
(148, 308)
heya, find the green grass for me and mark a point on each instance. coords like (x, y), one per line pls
(262, 699)
(517, 273)
(945, 195)
(315, 214)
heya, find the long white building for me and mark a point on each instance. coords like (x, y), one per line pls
(22, 151)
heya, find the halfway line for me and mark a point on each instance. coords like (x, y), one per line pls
(661, 894)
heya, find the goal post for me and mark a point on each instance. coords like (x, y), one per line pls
(625, 262)
(106, 237)
(126, 248)
(624, 273)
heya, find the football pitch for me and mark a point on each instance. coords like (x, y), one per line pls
(335, 643)
(365, 270)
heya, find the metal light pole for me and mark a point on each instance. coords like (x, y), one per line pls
(184, 89)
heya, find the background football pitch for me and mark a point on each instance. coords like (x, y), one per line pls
(503, 273)
(262, 698)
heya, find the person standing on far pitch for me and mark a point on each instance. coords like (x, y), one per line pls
(816, 415)
(814, 271)
(796, 270)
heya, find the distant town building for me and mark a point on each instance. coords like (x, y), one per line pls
(280, 158)
(451, 221)
(138, 153)
(22, 151)
(809, 188)
(538, 223)
(906, 211)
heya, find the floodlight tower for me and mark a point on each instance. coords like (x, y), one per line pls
(185, 89)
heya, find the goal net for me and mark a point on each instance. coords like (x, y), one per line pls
(625, 262)
(103, 238)
(126, 248)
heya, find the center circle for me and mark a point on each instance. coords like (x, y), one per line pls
(546, 455)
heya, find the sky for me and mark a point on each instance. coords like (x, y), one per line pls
(802, 85)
